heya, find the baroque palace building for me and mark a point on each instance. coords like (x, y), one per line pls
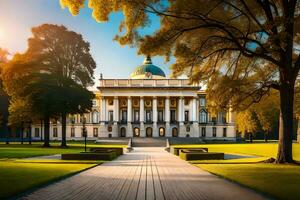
(147, 105)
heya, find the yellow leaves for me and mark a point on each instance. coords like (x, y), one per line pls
(73, 5)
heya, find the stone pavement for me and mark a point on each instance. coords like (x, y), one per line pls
(145, 173)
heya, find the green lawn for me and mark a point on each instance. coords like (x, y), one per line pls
(15, 150)
(258, 149)
(17, 175)
(279, 181)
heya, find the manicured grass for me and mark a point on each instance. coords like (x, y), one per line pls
(279, 181)
(17, 177)
(24, 151)
(261, 149)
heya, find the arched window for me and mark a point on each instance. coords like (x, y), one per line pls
(161, 132)
(174, 132)
(95, 117)
(203, 116)
(149, 132)
(136, 132)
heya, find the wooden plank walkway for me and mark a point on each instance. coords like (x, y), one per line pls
(146, 173)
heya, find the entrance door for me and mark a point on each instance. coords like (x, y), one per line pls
(174, 132)
(123, 132)
(136, 132)
(149, 132)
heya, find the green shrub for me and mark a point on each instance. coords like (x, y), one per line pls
(175, 150)
(119, 151)
(198, 155)
(109, 155)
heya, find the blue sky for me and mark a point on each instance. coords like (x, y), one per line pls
(114, 61)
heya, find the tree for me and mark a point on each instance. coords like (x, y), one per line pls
(247, 123)
(267, 111)
(67, 56)
(252, 44)
(20, 113)
(56, 65)
(4, 99)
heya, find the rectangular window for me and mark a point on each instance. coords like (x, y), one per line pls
(186, 116)
(224, 132)
(124, 116)
(72, 132)
(202, 101)
(111, 115)
(136, 115)
(173, 115)
(36, 132)
(55, 132)
(160, 116)
(148, 116)
(203, 116)
(203, 131)
(214, 132)
(95, 132)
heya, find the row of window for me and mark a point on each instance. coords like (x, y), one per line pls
(137, 132)
(161, 102)
(95, 132)
(214, 132)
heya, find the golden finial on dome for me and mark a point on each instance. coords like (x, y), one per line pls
(148, 60)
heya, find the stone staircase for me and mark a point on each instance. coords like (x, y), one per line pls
(148, 142)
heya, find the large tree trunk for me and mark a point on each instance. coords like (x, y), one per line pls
(46, 131)
(63, 130)
(285, 141)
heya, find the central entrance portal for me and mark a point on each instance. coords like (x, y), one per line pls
(136, 132)
(149, 132)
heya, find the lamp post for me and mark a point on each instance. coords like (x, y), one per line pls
(84, 131)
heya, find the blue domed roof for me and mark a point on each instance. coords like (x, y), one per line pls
(148, 69)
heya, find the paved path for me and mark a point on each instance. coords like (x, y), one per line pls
(144, 173)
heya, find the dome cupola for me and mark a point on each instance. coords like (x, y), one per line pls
(148, 71)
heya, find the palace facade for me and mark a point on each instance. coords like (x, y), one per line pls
(147, 105)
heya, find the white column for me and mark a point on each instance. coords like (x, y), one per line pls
(154, 116)
(129, 109)
(167, 109)
(129, 117)
(182, 131)
(194, 109)
(142, 110)
(116, 109)
(142, 117)
(103, 109)
(167, 117)
(116, 117)
(195, 129)
(103, 131)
